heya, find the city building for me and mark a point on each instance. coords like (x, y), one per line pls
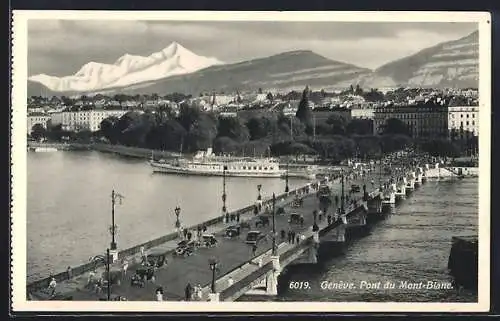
(423, 120)
(37, 118)
(363, 113)
(464, 120)
(89, 119)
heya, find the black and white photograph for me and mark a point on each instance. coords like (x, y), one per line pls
(250, 161)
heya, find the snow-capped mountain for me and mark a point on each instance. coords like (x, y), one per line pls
(128, 70)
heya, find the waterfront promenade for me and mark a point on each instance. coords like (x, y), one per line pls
(230, 253)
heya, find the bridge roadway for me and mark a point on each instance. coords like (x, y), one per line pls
(194, 269)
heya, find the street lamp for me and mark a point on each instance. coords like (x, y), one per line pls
(342, 197)
(224, 195)
(274, 225)
(213, 267)
(259, 187)
(105, 260)
(177, 212)
(286, 178)
(113, 228)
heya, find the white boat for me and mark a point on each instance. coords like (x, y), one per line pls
(45, 149)
(206, 164)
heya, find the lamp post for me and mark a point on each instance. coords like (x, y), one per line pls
(213, 267)
(274, 225)
(286, 178)
(177, 212)
(224, 196)
(342, 197)
(105, 260)
(113, 228)
(259, 187)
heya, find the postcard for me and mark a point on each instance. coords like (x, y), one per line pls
(176, 161)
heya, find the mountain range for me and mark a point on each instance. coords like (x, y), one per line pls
(176, 69)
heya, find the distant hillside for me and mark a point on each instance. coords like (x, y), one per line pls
(450, 64)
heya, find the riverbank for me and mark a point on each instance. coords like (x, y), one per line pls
(106, 148)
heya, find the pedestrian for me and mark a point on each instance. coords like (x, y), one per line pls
(125, 267)
(329, 218)
(204, 228)
(69, 273)
(227, 217)
(298, 238)
(283, 234)
(302, 221)
(292, 237)
(52, 287)
(91, 277)
(238, 217)
(254, 249)
(159, 294)
(188, 291)
(185, 233)
(189, 235)
(289, 236)
(320, 216)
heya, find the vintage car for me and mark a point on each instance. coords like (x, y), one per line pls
(208, 240)
(233, 231)
(185, 248)
(245, 225)
(157, 257)
(262, 221)
(253, 237)
(297, 202)
(296, 218)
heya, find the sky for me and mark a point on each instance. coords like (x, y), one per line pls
(61, 47)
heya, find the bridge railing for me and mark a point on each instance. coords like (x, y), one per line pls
(245, 282)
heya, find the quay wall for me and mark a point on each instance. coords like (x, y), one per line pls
(86, 267)
(107, 148)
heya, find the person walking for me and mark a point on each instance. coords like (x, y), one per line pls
(125, 267)
(254, 249)
(159, 294)
(289, 236)
(188, 291)
(52, 287)
(298, 238)
(69, 273)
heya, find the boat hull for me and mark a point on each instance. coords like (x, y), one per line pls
(169, 169)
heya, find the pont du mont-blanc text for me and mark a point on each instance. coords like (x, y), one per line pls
(367, 285)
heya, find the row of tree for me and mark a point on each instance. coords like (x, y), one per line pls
(191, 129)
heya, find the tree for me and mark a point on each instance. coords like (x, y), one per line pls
(395, 126)
(304, 113)
(109, 130)
(38, 132)
(360, 127)
(225, 145)
(261, 127)
(170, 135)
(202, 133)
(233, 128)
(358, 91)
(337, 124)
(188, 115)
